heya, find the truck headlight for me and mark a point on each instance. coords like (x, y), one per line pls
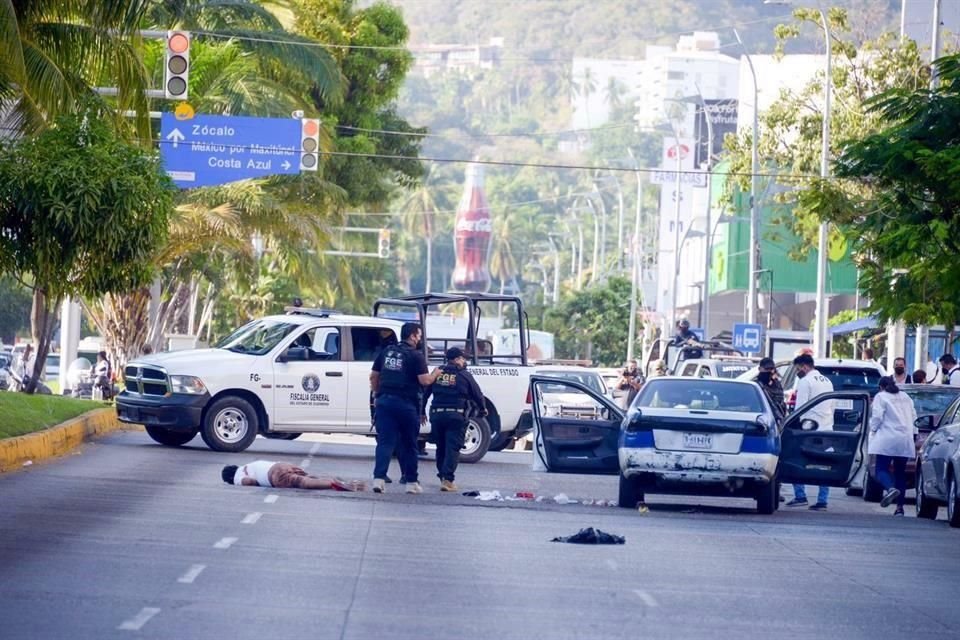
(187, 384)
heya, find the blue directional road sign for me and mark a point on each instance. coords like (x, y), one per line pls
(210, 150)
(746, 337)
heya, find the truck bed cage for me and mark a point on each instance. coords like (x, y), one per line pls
(477, 349)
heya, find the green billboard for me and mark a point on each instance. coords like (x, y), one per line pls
(731, 244)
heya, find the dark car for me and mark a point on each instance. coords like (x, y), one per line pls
(938, 469)
(931, 401)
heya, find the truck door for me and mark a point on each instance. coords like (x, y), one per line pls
(310, 382)
(365, 345)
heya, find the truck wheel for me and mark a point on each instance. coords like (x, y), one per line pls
(230, 424)
(630, 492)
(273, 435)
(170, 438)
(477, 440)
(501, 442)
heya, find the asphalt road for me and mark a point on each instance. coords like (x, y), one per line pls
(130, 539)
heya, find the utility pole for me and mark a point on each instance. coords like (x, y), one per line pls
(922, 335)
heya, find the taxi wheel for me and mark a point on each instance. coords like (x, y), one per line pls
(170, 438)
(230, 424)
(631, 493)
(926, 508)
(768, 498)
(476, 441)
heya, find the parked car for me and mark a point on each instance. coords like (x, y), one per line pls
(717, 367)
(931, 402)
(52, 367)
(697, 437)
(938, 469)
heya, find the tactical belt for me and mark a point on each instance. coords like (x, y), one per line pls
(445, 410)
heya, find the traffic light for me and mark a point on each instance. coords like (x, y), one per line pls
(383, 247)
(176, 70)
(309, 144)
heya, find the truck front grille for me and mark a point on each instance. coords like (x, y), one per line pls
(146, 381)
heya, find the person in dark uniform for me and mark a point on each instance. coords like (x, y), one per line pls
(399, 373)
(769, 381)
(683, 334)
(456, 395)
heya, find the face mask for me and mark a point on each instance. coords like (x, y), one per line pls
(765, 377)
(899, 370)
(801, 373)
(946, 371)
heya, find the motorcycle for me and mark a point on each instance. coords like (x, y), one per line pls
(17, 383)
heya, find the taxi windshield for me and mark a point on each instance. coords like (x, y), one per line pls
(703, 394)
(257, 337)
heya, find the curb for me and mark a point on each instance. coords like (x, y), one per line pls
(60, 439)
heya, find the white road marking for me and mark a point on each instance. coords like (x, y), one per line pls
(305, 463)
(137, 621)
(270, 499)
(646, 597)
(612, 565)
(315, 448)
(224, 543)
(191, 574)
(251, 518)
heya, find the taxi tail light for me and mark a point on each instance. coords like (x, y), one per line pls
(634, 420)
(529, 394)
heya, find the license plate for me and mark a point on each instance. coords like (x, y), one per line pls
(698, 441)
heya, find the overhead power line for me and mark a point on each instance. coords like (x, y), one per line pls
(330, 45)
(523, 134)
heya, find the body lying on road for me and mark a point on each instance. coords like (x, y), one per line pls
(281, 475)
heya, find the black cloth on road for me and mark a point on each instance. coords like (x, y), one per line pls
(592, 536)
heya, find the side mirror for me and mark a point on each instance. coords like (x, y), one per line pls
(294, 354)
(809, 425)
(924, 423)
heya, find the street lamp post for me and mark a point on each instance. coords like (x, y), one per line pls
(634, 261)
(822, 310)
(699, 287)
(754, 188)
(676, 231)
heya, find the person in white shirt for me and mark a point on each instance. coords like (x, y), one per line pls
(892, 430)
(810, 384)
(951, 372)
(281, 475)
(25, 363)
(900, 375)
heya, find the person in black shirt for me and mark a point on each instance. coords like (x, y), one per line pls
(683, 334)
(399, 373)
(769, 381)
(630, 381)
(455, 395)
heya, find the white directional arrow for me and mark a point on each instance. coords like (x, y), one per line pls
(175, 136)
(285, 165)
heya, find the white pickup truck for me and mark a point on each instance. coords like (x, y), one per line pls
(308, 372)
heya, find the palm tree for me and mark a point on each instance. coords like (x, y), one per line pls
(419, 218)
(55, 52)
(614, 93)
(588, 87)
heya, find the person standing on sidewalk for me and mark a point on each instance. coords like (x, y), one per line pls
(810, 384)
(892, 430)
(398, 375)
(456, 395)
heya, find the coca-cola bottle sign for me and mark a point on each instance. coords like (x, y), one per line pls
(471, 235)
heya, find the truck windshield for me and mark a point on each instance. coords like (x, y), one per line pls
(258, 337)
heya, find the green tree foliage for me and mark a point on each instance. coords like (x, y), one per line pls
(15, 301)
(83, 213)
(372, 79)
(791, 129)
(54, 51)
(592, 324)
(905, 226)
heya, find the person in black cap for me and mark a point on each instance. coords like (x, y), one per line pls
(455, 394)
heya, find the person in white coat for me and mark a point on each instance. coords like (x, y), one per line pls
(892, 429)
(810, 384)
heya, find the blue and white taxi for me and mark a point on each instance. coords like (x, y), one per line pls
(692, 436)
